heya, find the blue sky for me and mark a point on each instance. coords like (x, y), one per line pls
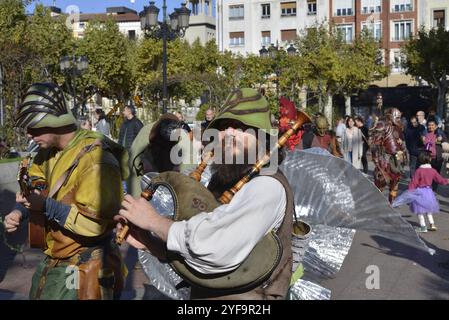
(91, 6)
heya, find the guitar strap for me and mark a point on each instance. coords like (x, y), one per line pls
(62, 180)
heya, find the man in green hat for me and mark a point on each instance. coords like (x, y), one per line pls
(80, 173)
(217, 242)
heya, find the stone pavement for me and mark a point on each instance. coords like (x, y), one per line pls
(405, 273)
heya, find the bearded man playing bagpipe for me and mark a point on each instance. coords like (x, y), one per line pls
(237, 246)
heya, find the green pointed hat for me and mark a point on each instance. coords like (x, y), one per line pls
(248, 106)
(44, 106)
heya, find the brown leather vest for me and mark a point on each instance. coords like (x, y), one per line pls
(275, 288)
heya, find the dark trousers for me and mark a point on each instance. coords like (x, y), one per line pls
(364, 159)
(413, 165)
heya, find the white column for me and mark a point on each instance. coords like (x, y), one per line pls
(348, 108)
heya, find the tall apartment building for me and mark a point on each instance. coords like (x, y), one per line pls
(433, 13)
(244, 26)
(202, 21)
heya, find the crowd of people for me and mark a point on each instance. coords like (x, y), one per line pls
(83, 201)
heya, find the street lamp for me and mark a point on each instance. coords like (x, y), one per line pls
(72, 67)
(167, 31)
(274, 52)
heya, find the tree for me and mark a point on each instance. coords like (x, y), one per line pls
(321, 50)
(362, 61)
(22, 61)
(49, 39)
(110, 65)
(426, 56)
(328, 65)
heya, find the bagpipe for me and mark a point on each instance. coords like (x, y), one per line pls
(37, 220)
(190, 198)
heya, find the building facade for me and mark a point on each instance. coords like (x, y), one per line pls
(245, 26)
(433, 13)
(202, 21)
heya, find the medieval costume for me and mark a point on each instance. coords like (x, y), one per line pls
(288, 114)
(321, 137)
(329, 193)
(388, 151)
(84, 185)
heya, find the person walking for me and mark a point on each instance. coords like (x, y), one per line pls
(360, 123)
(129, 128)
(413, 142)
(352, 144)
(102, 124)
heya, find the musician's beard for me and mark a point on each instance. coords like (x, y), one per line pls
(225, 174)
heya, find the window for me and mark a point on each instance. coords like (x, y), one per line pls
(236, 12)
(132, 34)
(371, 6)
(402, 5)
(266, 11)
(311, 7)
(288, 35)
(237, 38)
(266, 38)
(439, 18)
(398, 59)
(346, 31)
(402, 30)
(375, 28)
(288, 9)
(344, 12)
(82, 25)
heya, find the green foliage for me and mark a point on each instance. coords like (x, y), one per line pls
(109, 53)
(50, 39)
(426, 56)
(327, 65)
(120, 68)
(30, 53)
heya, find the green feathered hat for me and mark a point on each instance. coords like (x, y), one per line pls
(248, 106)
(44, 106)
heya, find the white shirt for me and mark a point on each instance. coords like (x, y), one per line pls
(220, 241)
(340, 131)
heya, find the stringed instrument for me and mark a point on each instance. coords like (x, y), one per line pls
(37, 220)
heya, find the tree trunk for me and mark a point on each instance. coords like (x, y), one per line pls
(348, 109)
(303, 98)
(328, 108)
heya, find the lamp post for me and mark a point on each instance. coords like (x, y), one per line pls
(274, 52)
(165, 30)
(72, 67)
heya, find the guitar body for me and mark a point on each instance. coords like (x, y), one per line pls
(36, 230)
(37, 220)
(37, 224)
